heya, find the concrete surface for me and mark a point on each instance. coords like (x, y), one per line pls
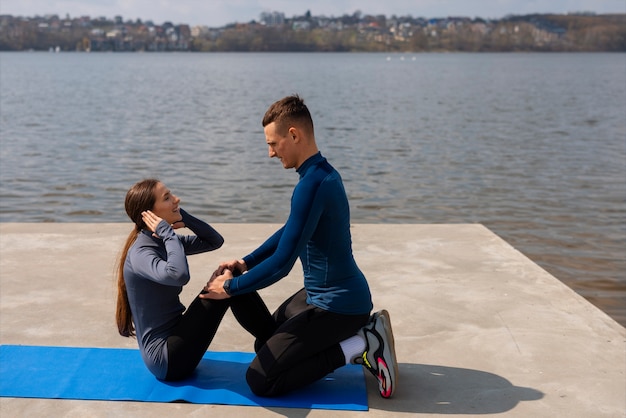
(479, 328)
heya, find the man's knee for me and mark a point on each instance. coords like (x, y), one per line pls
(258, 383)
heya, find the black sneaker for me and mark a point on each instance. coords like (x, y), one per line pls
(380, 354)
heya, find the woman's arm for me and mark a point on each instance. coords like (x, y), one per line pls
(206, 238)
(165, 264)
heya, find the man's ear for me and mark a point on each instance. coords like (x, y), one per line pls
(294, 134)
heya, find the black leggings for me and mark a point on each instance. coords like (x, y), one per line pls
(303, 348)
(198, 325)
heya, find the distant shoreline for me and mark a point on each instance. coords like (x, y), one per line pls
(354, 33)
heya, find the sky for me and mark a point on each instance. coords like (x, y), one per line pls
(217, 13)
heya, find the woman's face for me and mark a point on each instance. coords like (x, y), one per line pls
(166, 204)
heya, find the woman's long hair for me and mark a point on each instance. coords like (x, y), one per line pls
(139, 198)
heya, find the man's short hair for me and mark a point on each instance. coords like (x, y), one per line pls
(287, 112)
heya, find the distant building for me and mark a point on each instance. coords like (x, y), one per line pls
(272, 19)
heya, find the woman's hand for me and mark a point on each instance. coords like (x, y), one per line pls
(151, 220)
(178, 224)
(237, 267)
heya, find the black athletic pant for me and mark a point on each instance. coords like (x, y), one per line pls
(303, 348)
(198, 325)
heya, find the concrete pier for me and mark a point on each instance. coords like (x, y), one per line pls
(479, 328)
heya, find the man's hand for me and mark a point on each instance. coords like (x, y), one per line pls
(214, 288)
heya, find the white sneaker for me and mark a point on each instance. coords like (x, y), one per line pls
(379, 356)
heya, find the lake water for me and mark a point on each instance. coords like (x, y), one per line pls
(533, 146)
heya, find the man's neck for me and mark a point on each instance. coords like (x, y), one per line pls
(311, 151)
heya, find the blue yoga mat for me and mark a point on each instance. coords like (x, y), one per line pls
(119, 375)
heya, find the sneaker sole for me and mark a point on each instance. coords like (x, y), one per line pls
(385, 318)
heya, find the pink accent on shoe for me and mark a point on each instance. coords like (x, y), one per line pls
(383, 373)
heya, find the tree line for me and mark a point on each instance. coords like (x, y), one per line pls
(350, 33)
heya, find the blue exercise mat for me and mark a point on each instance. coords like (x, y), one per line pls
(118, 374)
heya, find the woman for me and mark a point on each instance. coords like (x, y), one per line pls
(151, 274)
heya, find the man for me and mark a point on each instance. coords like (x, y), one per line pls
(326, 325)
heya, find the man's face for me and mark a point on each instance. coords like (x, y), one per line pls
(279, 146)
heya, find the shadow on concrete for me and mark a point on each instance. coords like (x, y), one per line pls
(425, 388)
(430, 389)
